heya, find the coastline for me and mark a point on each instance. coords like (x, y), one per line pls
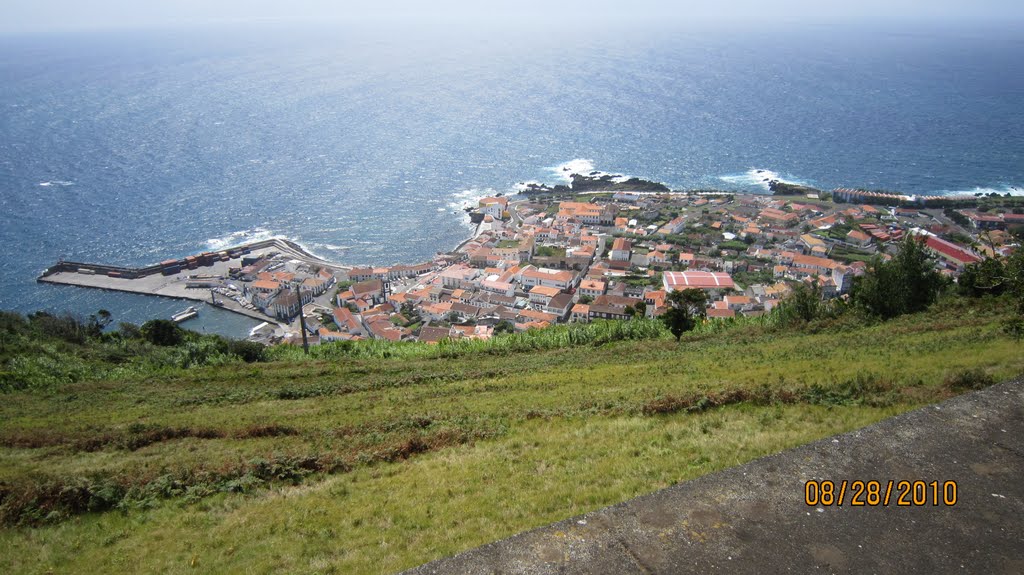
(150, 281)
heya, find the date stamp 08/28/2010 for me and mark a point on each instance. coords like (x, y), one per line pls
(872, 493)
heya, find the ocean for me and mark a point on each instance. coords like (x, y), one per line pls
(363, 144)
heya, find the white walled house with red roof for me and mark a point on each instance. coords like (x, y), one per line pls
(954, 255)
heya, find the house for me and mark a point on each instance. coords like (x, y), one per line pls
(531, 276)
(580, 312)
(812, 243)
(530, 315)
(494, 207)
(360, 274)
(657, 258)
(315, 285)
(858, 238)
(655, 300)
(370, 290)
(542, 294)
(287, 305)
(738, 302)
(381, 328)
(559, 305)
(465, 311)
(494, 285)
(347, 321)
(266, 286)
(592, 288)
(954, 255)
(818, 264)
(621, 249)
(432, 334)
(779, 217)
(327, 336)
(459, 276)
(673, 227)
(587, 213)
(612, 307)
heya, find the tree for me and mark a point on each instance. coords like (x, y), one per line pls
(803, 305)
(98, 322)
(162, 332)
(586, 299)
(987, 277)
(906, 284)
(685, 308)
(640, 309)
(504, 326)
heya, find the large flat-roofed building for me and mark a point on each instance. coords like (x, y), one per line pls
(699, 280)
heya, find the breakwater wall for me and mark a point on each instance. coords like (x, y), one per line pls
(170, 267)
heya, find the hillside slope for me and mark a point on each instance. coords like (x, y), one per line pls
(375, 465)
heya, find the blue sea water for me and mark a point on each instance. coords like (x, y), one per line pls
(362, 144)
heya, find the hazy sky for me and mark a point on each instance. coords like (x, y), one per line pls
(42, 15)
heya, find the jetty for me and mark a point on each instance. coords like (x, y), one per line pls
(185, 314)
(188, 278)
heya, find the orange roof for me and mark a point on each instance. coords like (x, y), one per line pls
(265, 284)
(545, 291)
(814, 261)
(701, 280)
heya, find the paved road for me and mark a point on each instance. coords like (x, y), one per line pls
(753, 518)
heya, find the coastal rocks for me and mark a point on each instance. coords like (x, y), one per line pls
(787, 189)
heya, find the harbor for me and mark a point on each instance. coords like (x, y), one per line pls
(204, 277)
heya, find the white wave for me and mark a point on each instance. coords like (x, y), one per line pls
(523, 186)
(581, 166)
(332, 247)
(758, 178)
(1012, 190)
(565, 170)
(442, 209)
(241, 237)
(469, 198)
(61, 183)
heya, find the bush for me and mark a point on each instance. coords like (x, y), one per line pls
(968, 379)
(906, 284)
(248, 351)
(162, 332)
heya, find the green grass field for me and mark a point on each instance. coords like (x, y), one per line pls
(372, 465)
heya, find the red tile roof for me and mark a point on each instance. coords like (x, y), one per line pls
(951, 251)
(702, 280)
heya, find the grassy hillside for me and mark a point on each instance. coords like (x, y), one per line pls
(355, 462)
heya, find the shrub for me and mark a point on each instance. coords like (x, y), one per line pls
(968, 379)
(162, 332)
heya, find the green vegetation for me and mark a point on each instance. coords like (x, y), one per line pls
(733, 245)
(685, 309)
(371, 457)
(746, 279)
(994, 277)
(548, 252)
(849, 255)
(906, 284)
(45, 351)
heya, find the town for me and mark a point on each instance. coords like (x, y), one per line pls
(545, 260)
(558, 255)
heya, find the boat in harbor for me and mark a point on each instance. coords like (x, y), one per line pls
(185, 314)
